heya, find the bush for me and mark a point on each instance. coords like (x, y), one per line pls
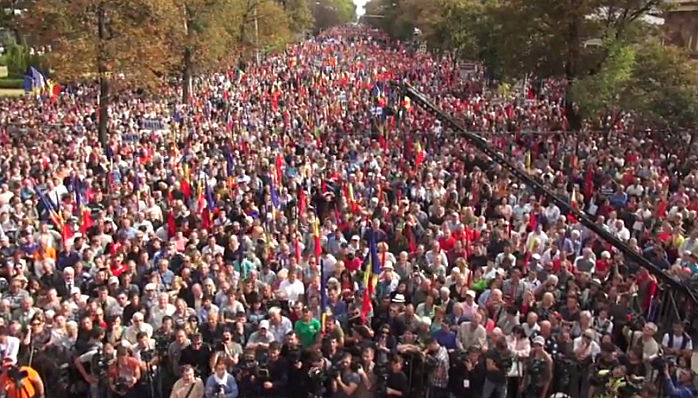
(11, 83)
(18, 59)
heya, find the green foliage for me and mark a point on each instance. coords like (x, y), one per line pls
(11, 83)
(664, 94)
(18, 58)
(328, 13)
(299, 14)
(452, 25)
(604, 92)
(396, 17)
(134, 40)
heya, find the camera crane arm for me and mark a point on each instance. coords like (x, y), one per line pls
(482, 144)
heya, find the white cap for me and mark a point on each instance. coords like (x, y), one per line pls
(74, 290)
(264, 324)
(150, 286)
(113, 280)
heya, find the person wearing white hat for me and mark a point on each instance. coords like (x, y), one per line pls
(539, 384)
(262, 337)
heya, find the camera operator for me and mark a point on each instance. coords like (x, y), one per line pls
(345, 383)
(198, 355)
(367, 387)
(296, 371)
(228, 349)
(538, 371)
(498, 361)
(466, 376)
(317, 376)
(682, 387)
(92, 363)
(274, 378)
(438, 377)
(144, 352)
(174, 351)
(20, 382)
(124, 374)
(221, 384)
(678, 343)
(397, 383)
(189, 386)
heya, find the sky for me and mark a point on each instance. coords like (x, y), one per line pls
(360, 7)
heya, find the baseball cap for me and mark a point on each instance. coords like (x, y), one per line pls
(264, 324)
(540, 340)
(113, 280)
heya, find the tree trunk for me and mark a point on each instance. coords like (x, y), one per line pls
(187, 76)
(571, 70)
(187, 67)
(103, 78)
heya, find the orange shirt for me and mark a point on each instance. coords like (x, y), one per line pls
(48, 253)
(26, 389)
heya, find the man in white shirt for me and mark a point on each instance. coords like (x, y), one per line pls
(292, 287)
(163, 308)
(678, 342)
(212, 248)
(9, 345)
(471, 334)
(131, 332)
(279, 325)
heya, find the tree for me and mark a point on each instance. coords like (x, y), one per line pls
(605, 94)
(398, 18)
(549, 38)
(664, 95)
(103, 39)
(300, 15)
(206, 38)
(452, 25)
(328, 13)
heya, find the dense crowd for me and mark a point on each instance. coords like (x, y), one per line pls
(300, 229)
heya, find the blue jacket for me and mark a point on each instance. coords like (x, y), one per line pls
(230, 389)
(674, 391)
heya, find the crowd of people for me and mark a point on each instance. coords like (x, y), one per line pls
(300, 229)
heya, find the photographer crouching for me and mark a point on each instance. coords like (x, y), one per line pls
(221, 384)
(124, 374)
(20, 382)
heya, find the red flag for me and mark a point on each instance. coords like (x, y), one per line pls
(419, 155)
(186, 188)
(661, 208)
(206, 221)
(533, 221)
(302, 202)
(87, 222)
(573, 203)
(171, 227)
(589, 184)
(411, 241)
(279, 169)
(297, 249)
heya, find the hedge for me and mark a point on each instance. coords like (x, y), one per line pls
(11, 83)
